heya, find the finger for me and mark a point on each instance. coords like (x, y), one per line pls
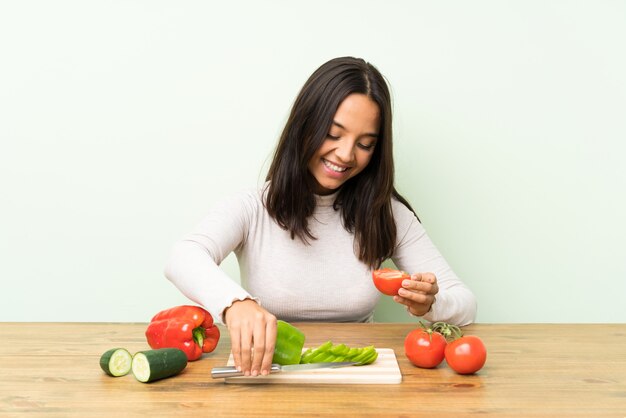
(415, 297)
(417, 309)
(429, 278)
(258, 349)
(246, 347)
(270, 343)
(417, 286)
(402, 300)
(435, 289)
(424, 301)
(421, 282)
(412, 307)
(235, 344)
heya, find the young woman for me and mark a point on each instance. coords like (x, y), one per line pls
(328, 214)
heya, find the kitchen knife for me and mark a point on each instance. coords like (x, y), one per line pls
(231, 371)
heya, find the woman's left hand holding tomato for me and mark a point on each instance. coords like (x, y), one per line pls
(418, 293)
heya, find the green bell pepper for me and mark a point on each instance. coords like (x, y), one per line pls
(328, 352)
(289, 343)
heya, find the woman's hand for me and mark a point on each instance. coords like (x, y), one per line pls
(252, 335)
(418, 294)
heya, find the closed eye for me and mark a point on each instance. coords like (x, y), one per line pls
(367, 147)
(332, 137)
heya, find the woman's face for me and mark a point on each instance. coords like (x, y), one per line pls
(349, 146)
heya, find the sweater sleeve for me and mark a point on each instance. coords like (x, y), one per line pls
(193, 265)
(415, 253)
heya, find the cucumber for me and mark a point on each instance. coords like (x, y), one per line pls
(116, 362)
(152, 365)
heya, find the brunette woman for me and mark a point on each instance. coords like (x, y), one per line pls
(328, 214)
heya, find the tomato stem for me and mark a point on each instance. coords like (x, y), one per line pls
(427, 330)
(449, 331)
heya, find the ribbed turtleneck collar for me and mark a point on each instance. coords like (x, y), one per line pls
(325, 200)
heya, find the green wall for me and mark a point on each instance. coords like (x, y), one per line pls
(123, 122)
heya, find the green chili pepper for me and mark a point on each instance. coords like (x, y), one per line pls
(289, 343)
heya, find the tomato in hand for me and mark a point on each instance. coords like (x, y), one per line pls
(425, 348)
(466, 355)
(389, 281)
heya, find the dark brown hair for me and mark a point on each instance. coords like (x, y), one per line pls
(364, 200)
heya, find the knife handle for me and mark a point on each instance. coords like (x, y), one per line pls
(231, 371)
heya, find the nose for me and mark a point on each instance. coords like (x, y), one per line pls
(345, 151)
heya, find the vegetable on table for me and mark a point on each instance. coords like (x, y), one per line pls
(328, 352)
(116, 362)
(465, 354)
(389, 281)
(188, 328)
(152, 365)
(425, 347)
(289, 344)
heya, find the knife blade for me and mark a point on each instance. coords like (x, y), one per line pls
(231, 371)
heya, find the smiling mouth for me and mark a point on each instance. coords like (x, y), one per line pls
(334, 167)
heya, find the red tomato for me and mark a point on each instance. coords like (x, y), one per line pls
(466, 355)
(389, 281)
(425, 348)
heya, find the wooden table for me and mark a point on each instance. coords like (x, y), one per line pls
(51, 369)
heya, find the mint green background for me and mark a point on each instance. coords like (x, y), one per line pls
(122, 122)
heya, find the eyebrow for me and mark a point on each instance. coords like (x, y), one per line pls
(373, 135)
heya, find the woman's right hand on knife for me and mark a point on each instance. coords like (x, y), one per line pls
(253, 336)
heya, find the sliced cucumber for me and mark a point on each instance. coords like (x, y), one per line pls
(152, 365)
(116, 362)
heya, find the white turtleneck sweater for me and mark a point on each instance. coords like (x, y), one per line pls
(323, 281)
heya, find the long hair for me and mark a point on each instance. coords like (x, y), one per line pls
(365, 199)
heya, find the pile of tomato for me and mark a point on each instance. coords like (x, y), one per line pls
(427, 347)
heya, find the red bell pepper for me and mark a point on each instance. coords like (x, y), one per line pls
(189, 328)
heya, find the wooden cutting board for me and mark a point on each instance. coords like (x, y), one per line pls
(383, 371)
